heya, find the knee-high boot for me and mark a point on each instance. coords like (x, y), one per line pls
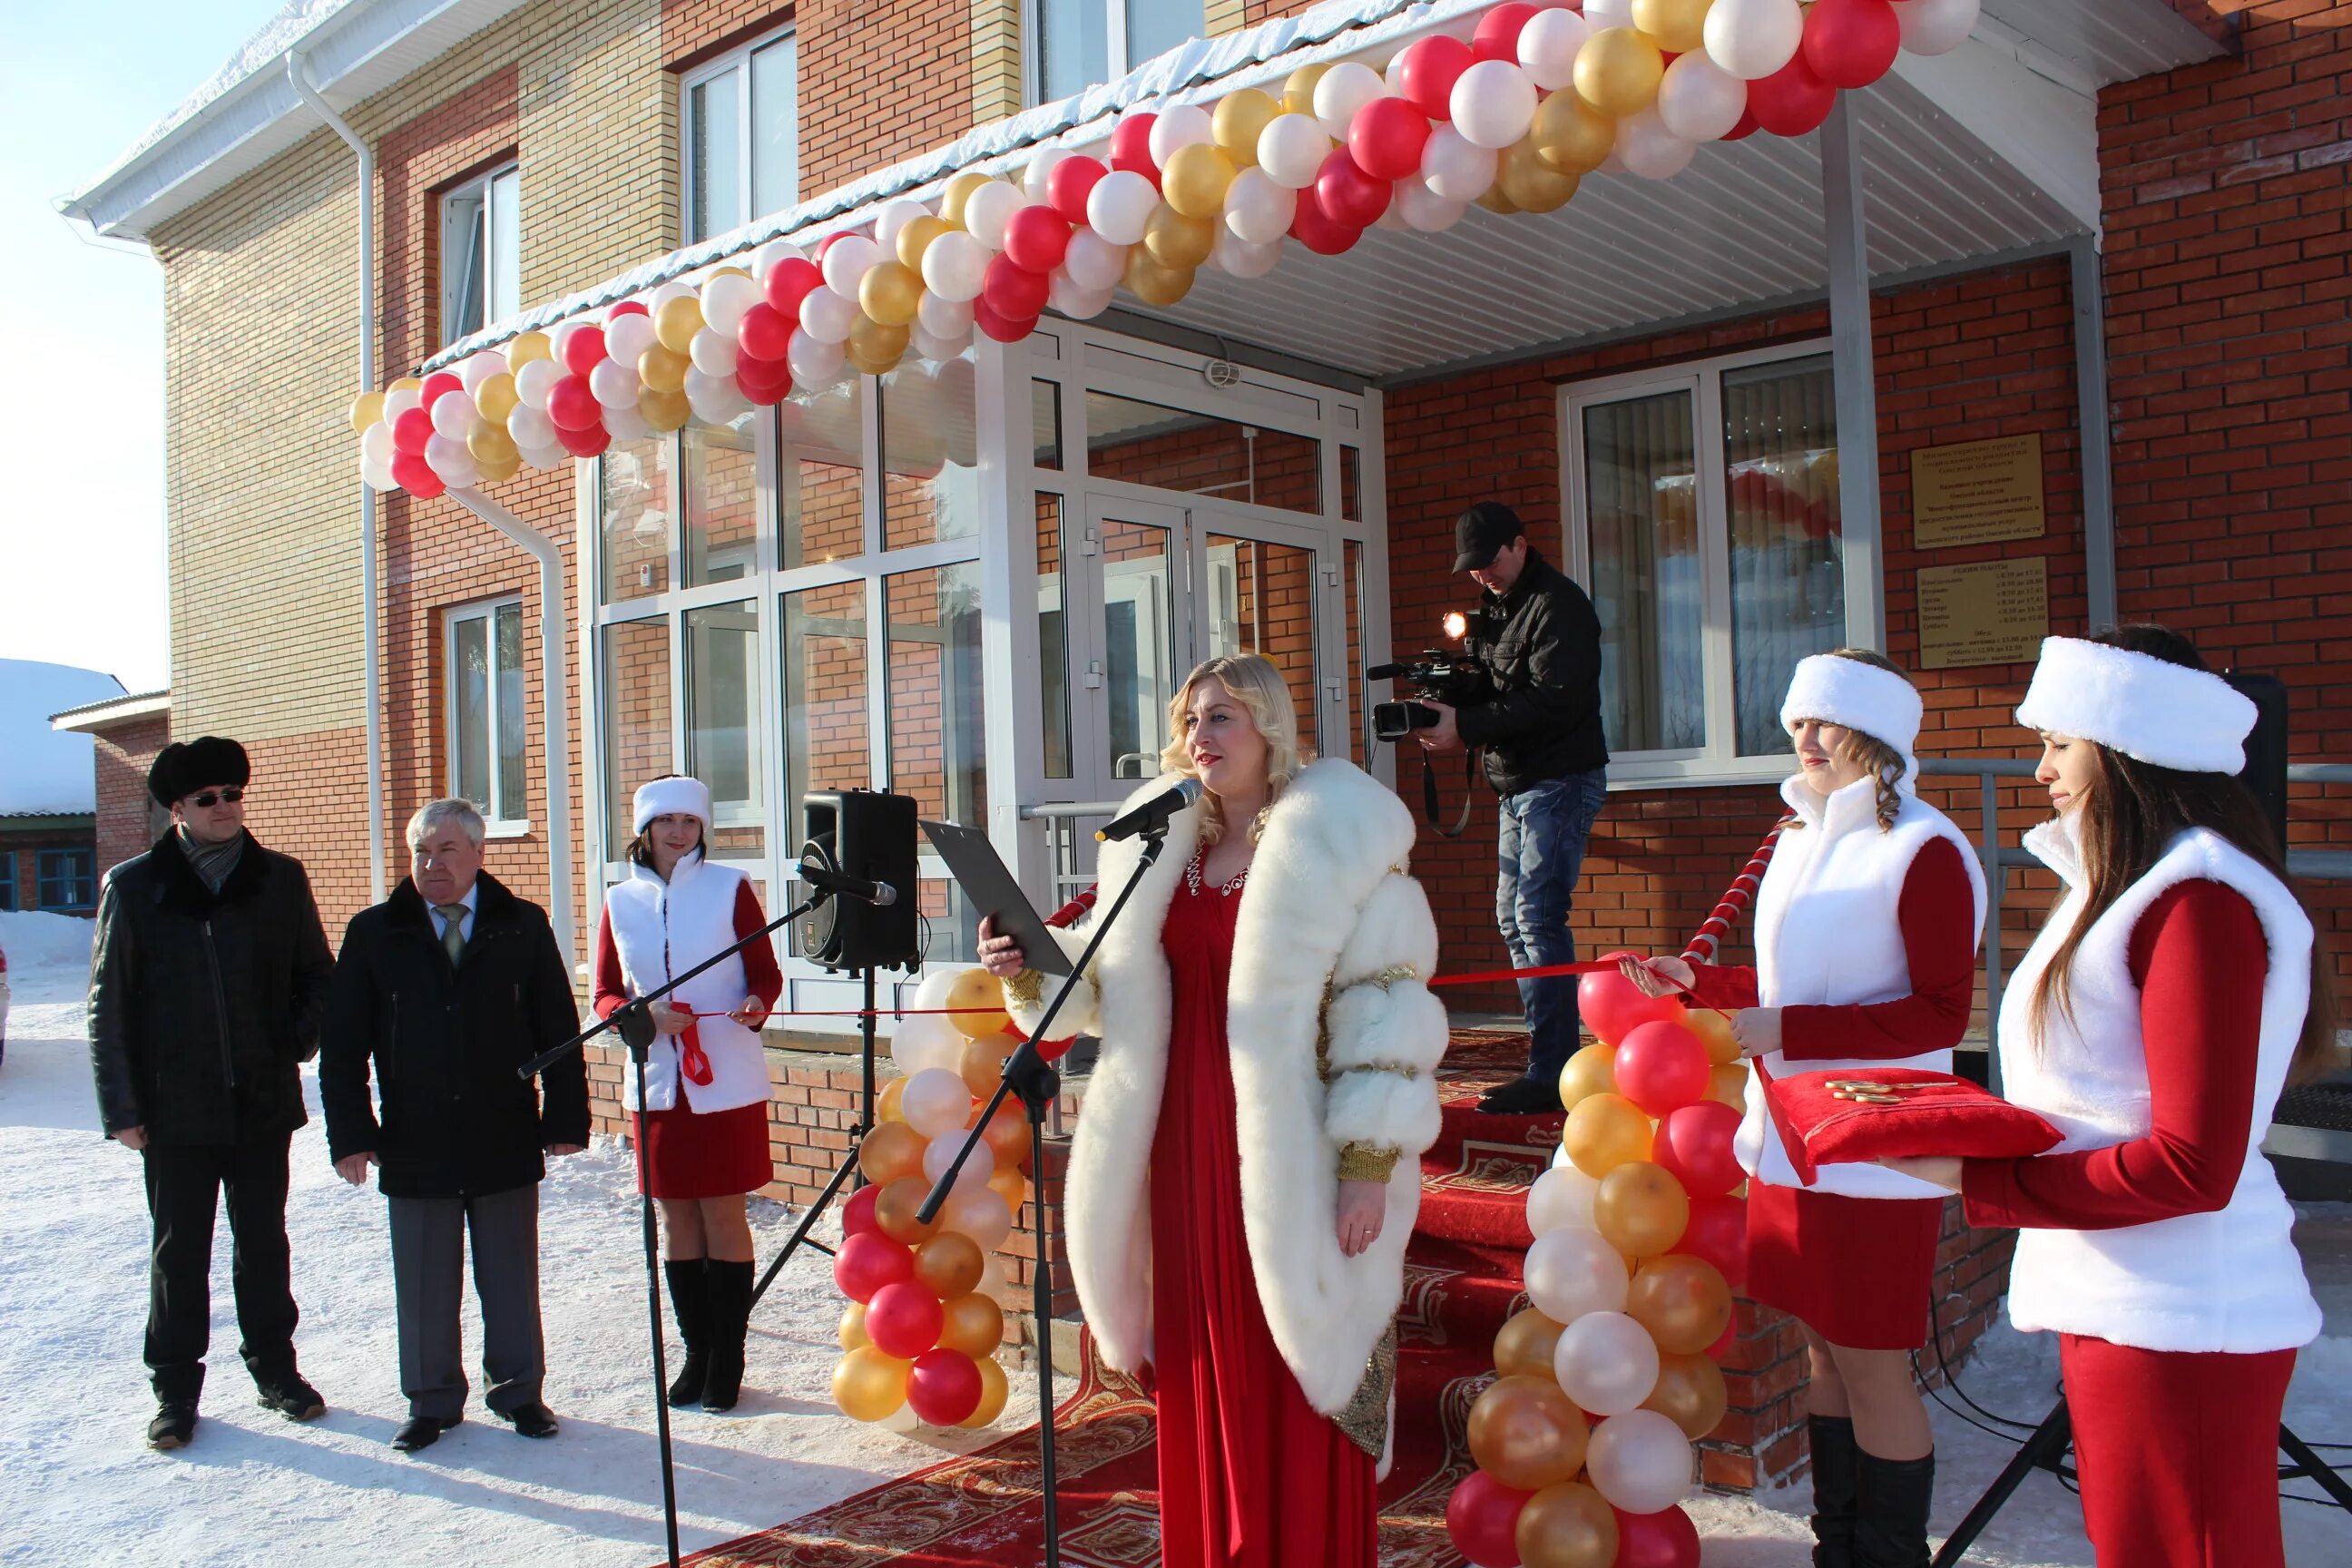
(730, 1318)
(1836, 1483)
(1891, 1520)
(689, 1297)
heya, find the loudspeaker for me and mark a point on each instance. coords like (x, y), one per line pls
(2265, 771)
(870, 836)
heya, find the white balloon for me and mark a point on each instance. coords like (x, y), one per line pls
(713, 352)
(1698, 100)
(376, 445)
(936, 1101)
(924, 1040)
(1561, 1199)
(627, 424)
(1936, 26)
(1492, 103)
(1455, 169)
(1258, 210)
(944, 318)
(628, 337)
(845, 261)
(988, 209)
(1606, 1361)
(1119, 205)
(1571, 1272)
(931, 993)
(560, 341)
(827, 315)
(1040, 169)
(448, 458)
(1599, 14)
(396, 404)
(545, 458)
(931, 346)
(976, 1169)
(725, 299)
(533, 382)
(1649, 149)
(771, 255)
(376, 476)
(983, 1216)
(1093, 261)
(477, 368)
(955, 265)
(1753, 38)
(674, 290)
(1291, 149)
(1242, 258)
(454, 413)
(1074, 300)
(1640, 1461)
(1417, 207)
(812, 361)
(1549, 45)
(616, 384)
(530, 428)
(1185, 125)
(892, 219)
(1344, 90)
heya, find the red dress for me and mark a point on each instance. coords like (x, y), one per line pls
(1250, 1474)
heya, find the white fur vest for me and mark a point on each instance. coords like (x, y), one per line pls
(1330, 932)
(1827, 935)
(2231, 1281)
(663, 928)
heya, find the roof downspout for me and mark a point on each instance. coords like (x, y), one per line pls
(297, 77)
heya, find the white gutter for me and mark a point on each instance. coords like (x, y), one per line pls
(552, 698)
(298, 75)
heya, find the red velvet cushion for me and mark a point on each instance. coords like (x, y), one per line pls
(1936, 1114)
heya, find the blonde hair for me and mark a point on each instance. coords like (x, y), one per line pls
(1873, 756)
(1254, 682)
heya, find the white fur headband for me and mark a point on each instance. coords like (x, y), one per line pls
(678, 796)
(1878, 702)
(2148, 708)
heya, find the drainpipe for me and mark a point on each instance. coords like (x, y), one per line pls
(552, 702)
(297, 77)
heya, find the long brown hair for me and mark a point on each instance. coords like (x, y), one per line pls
(1873, 756)
(2131, 816)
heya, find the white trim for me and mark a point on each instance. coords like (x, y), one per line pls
(453, 617)
(737, 59)
(501, 296)
(91, 717)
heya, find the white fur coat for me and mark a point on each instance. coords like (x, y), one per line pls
(1331, 933)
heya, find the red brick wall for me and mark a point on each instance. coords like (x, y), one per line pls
(881, 80)
(129, 820)
(694, 30)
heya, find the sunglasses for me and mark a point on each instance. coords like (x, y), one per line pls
(211, 797)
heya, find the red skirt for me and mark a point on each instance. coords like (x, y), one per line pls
(712, 1154)
(1856, 1271)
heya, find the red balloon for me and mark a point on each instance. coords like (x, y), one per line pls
(582, 349)
(1791, 100)
(1012, 291)
(625, 307)
(1716, 1232)
(1694, 1145)
(1037, 238)
(764, 381)
(1317, 230)
(1667, 1540)
(1386, 139)
(411, 473)
(867, 1263)
(904, 1320)
(588, 443)
(766, 333)
(1130, 146)
(1501, 25)
(1424, 73)
(828, 242)
(1851, 43)
(1002, 328)
(1661, 1067)
(1069, 183)
(1612, 1006)
(1349, 194)
(1483, 1518)
(858, 1209)
(439, 382)
(411, 431)
(789, 283)
(571, 406)
(943, 1387)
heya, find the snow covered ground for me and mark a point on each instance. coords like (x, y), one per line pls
(76, 1485)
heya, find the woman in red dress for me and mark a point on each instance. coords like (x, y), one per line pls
(705, 1123)
(1245, 1172)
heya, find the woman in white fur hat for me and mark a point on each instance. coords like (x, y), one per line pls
(2169, 997)
(705, 1120)
(1866, 926)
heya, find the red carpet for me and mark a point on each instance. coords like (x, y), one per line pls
(1462, 1280)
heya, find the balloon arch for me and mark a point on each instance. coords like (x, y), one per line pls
(1512, 117)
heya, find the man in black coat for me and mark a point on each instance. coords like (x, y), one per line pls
(208, 973)
(444, 989)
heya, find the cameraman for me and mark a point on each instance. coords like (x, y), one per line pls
(1545, 756)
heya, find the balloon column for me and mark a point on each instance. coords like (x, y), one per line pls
(922, 1325)
(1584, 1440)
(1512, 116)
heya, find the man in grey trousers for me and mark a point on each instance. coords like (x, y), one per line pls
(444, 990)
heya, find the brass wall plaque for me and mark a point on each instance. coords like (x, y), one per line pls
(1996, 611)
(1977, 492)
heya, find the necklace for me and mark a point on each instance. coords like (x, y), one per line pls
(1193, 878)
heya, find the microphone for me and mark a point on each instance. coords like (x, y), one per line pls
(826, 879)
(1152, 816)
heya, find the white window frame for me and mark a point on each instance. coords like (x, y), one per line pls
(485, 611)
(1717, 762)
(483, 187)
(738, 59)
(1117, 54)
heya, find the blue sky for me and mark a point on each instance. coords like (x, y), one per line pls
(81, 328)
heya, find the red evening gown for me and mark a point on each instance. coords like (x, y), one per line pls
(1250, 1474)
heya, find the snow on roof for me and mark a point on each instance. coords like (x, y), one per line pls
(45, 771)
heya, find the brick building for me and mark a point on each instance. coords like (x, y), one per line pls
(49, 819)
(2092, 265)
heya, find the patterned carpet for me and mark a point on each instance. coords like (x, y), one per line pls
(1462, 1280)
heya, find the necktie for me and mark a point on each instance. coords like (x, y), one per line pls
(453, 930)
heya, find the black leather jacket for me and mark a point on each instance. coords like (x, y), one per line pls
(203, 1005)
(1544, 722)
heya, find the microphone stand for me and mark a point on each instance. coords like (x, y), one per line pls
(1028, 1074)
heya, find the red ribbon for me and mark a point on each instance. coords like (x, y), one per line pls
(691, 1060)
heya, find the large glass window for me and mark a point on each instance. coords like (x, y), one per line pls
(638, 745)
(930, 458)
(722, 709)
(1170, 449)
(482, 252)
(1261, 601)
(1082, 42)
(635, 518)
(1638, 499)
(826, 700)
(722, 503)
(1780, 514)
(486, 709)
(937, 735)
(1053, 636)
(741, 124)
(7, 879)
(1139, 662)
(820, 479)
(69, 878)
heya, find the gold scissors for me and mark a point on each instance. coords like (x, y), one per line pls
(1870, 1091)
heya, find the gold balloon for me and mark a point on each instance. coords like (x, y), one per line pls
(411, 384)
(972, 1324)
(1728, 1084)
(676, 323)
(993, 1391)
(1153, 283)
(1640, 1210)
(950, 1265)
(1532, 185)
(1591, 1070)
(1691, 1394)
(1527, 1434)
(1298, 89)
(1524, 1346)
(1682, 1300)
(875, 347)
(982, 1063)
(496, 398)
(1239, 120)
(1012, 1186)
(869, 1385)
(887, 1107)
(664, 411)
(1008, 1136)
(1677, 26)
(891, 1152)
(1176, 242)
(1495, 202)
(1714, 1032)
(1618, 70)
(852, 1332)
(490, 445)
(367, 409)
(1194, 184)
(889, 292)
(1567, 1526)
(738, 271)
(898, 1208)
(915, 238)
(975, 1005)
(504, 468)
(1571, 136)
(1604, 1131)
(662, 369)
(959, 190)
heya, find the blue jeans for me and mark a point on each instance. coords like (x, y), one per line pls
(1540, 850)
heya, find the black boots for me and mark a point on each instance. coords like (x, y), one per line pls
(729, 1306)
(174, 1425)
(1890, 1529)
(1837, 1481)
(689, 1297)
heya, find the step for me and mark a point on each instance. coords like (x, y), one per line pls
(1456, 1296)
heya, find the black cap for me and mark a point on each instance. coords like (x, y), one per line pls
(1481, 533)
(184, 767)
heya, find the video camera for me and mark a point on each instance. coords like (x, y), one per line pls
(1457, 680)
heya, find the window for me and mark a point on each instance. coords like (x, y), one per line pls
(7, 879)
(1703, 507)
(1082, 42)
(482, 252)
(485, 710)
(69, 878)
(741, 122)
